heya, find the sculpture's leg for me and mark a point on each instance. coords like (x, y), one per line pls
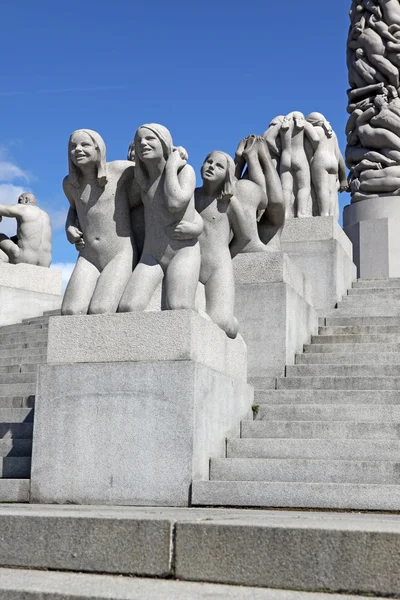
(182, 277)
(322, 185)
(276, 201)
(9, 248)
(220, 299)
(80, 288)
(141, 286)
(287, 188)
(111, 285)
(303, 177)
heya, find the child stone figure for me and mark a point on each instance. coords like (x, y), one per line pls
(98, 223)
(171, 249)
(222, 213)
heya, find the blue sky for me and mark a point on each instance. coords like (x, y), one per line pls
(211, 71)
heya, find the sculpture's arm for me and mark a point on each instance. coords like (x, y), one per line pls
(342, 173)
(74, 234)
(271, 136)
(240, 222)
(353, 44)
(311, 135)
(366, 116)
(352, 122)
(134, 194)
(179, 184)
(186, 230)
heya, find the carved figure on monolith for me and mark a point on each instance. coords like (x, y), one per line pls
(98, 223)
(373, 129)
(32, 242)
(328, 170)
(166, 184)
(223, 214)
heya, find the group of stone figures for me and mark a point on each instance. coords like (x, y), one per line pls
(373, 129)
(142, 221)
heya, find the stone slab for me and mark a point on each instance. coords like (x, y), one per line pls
(273, 306)
(31, 278)
(149, 336)
(131, 433)
(339, 553)
(324, 253)
(38, 585)
(373, 226)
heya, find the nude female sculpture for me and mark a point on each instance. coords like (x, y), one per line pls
(328, 171)
(98, 223)
(223, 214)
(32, 244)
(166, 185)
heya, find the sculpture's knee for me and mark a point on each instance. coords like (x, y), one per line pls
(71, 308)
(229, 325)
(131, 306)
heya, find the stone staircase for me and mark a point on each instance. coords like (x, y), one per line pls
(328, 435)
(22, 347)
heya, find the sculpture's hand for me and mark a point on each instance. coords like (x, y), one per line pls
(177, 158)
(74, 235)
(344, 187)
(80, 245)
(183, 231)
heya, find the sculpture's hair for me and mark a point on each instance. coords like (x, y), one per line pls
(74, 173)
(227, 190)
(141, 172)
(130, 150)
(32, 198)
(318, 120)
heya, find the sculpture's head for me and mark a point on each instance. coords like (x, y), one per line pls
(277, 120)
(318, 120)
(152, 144)
(359, 53)
(27, 198)
(86, 147)
(381, 100)
(131, 152)
(218, 169)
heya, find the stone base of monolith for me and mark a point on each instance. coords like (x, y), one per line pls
(131, 407)
(27, 291)
(275, 313)
(373, 226)
(324, 253)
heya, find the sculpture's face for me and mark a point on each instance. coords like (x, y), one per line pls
(82, 149)
(214, 168)
(27, 199)
(148, 146)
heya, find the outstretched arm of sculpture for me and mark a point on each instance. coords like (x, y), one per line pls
(13, 210)
(180, 182)
(240, 224)
(186, 230)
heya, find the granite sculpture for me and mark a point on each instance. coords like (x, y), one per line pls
(98, 223)
(171, 251)
(306, 155)
(373, 129)
(32, 242)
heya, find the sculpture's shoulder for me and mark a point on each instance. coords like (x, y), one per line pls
(245, 186)
(118, 168)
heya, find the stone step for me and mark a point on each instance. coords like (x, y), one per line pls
(337, 320)
(330, 412)
(7, 361)
(386, 450)
(40, 585)
(377, 291)
(27, 328)
(351, 348)
(16, 415)
(15, 430)
(14, 490)
(51, 313)
(339, 383)
(370, 338)
(342, 370)
(358, 310)
(11, 447)
(11, 339)
(332, 496)
(359, 553)
(17, 402)
(305, 470)
(23, 353)
(316, 429)
(321, 396)
(8, 349)
(36, 321)
(391, 282)
(24, 368)
(15, 467)
(17, 378)
(355, 358)
(17, 389)
(357, 329)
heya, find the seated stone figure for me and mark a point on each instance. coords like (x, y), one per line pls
(223, 214)
(98, 223)
(171, 249)
(32, 243)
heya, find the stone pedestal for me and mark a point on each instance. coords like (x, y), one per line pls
(324, 253)
(275, 313)
(27, 291)
(131, 407)
(374, 228)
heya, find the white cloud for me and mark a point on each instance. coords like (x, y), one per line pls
(66, 270)
(11, 172)
(9, 194)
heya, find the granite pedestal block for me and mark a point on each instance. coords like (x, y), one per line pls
(275, 312)
(374, 228)
(324, 253)
(131, 407)
(27, 291)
